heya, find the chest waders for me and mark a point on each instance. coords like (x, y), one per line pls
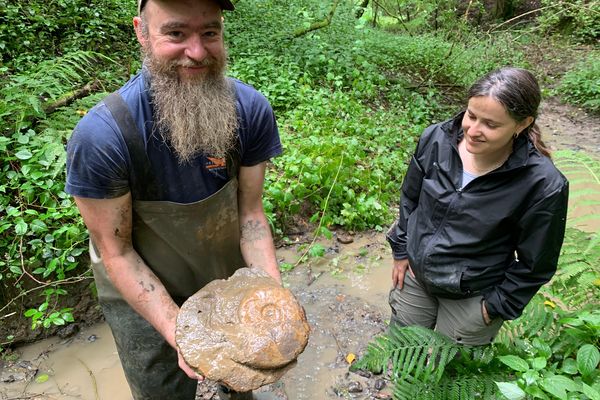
(186, 246)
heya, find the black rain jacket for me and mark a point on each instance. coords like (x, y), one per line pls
(499, 236)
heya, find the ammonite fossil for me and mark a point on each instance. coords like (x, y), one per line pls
(245, 331)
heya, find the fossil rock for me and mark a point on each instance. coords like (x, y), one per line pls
(245, 332)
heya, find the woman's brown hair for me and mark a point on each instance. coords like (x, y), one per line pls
(518, 91)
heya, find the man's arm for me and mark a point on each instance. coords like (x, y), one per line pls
(109, 224)
(256, 241)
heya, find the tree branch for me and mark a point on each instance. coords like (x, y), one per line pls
(398, 18)
(77, 94)
(319, 24)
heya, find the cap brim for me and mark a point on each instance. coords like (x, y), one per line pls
(225, 5)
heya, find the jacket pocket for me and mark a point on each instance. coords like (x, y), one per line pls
(444, 280)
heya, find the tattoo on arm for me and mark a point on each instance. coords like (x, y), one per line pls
(252, 231)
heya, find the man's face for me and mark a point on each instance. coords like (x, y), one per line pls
(185, 35)
(194, 104)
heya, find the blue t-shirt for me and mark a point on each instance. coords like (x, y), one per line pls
(98, 162)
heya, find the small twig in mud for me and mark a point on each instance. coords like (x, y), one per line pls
(93, 378)
(312, 277)
(337, 343)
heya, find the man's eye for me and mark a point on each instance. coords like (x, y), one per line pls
(210, 34)
(175, 34)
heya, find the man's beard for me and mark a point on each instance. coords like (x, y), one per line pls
(193, 115)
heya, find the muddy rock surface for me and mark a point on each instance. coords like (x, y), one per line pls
(245, 332)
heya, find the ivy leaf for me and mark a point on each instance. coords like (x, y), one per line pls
(511, 391)
(588, 358)
(515, 362)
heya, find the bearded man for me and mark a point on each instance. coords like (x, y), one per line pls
(167, 174)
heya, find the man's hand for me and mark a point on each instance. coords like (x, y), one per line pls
(187, 369)
(399, 272)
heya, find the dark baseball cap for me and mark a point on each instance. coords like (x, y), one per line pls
(225, 5)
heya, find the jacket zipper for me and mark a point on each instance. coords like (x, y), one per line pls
(458, 193)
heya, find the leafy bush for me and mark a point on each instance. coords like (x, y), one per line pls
(547, 353)
(32, 31)
(581, 86)
(579, 18)
(42, 236)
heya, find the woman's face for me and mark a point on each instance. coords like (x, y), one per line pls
(488, 128)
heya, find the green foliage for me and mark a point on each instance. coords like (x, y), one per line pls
(41, 234)
(552, 352)
(33, 31)
(46, 314)
(547, 353)
(581, 85)
(578, 18)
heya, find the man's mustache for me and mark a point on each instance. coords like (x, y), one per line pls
(207, 62)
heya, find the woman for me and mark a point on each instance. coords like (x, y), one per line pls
(482, 215)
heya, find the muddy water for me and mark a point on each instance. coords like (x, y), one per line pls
(344, 295)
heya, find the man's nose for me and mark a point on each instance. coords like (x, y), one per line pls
(195, 49)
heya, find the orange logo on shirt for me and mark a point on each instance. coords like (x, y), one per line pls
(216, 163)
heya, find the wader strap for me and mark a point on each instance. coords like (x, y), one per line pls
(145, 187)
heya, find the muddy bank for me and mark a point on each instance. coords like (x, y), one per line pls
(345, 298)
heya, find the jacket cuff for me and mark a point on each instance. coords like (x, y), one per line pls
(398, 250)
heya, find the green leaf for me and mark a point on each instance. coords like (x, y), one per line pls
(30, 312)
(15, 270)
(42, 378)
(569, 366)
(515, 362)
(590, 392)
(588, 358)
(24, 155)
(558, 385)
(538, 363)
(511, 391)
(21, 227)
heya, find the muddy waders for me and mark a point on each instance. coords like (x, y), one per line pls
(186, 246)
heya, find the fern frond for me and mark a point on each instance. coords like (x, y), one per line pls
(537, 321)
(578, 267)
(415, 353)
(480, 386)
(23, 96)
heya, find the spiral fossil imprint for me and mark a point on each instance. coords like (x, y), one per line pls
(244, 332)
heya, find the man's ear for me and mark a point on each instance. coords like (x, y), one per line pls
(137, 26)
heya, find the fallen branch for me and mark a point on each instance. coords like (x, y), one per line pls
(319, 24)
(519, 16)
(77, 94)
